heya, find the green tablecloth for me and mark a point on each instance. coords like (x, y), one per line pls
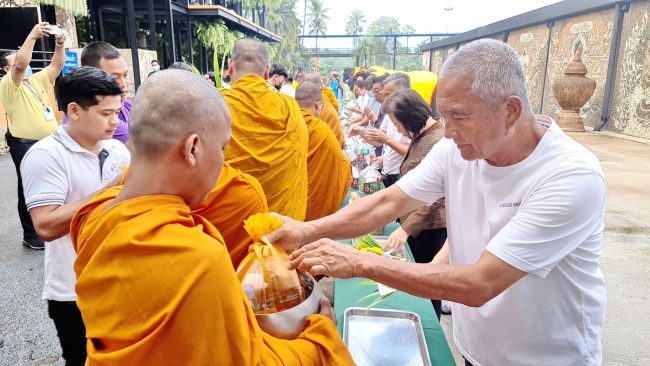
(348, 292)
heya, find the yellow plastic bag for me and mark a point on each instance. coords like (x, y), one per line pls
(264, 272)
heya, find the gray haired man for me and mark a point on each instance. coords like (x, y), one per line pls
(525, 208)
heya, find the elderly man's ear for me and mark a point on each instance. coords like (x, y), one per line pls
(514, 107)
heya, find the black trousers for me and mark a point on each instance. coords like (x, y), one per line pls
(424, 248)
(70, 329)
(18, 148)
(390, 179)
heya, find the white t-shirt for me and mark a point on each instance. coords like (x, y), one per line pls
(392, 160)
(544, 216)
(57, 171)
(288, 90)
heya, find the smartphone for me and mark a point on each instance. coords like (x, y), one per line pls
(55, 30)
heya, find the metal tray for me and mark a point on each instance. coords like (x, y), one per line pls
(385, 337)
(401, 251)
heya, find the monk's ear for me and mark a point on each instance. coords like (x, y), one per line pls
(267, 69)
(191, 149)
(230, 68)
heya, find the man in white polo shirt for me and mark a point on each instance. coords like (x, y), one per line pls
(525, 209)
(62, 172)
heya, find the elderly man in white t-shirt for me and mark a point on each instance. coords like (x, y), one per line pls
(525, 208)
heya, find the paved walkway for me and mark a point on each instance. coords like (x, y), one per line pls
(29, 336)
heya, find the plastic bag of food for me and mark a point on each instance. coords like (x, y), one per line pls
(268, 283)
(370, 180)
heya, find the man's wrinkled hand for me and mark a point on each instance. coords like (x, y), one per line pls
(329, 258)
(291, 234)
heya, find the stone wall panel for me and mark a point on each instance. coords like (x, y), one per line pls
(630, 111)
(531, 46)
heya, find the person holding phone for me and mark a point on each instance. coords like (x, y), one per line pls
(24, 95)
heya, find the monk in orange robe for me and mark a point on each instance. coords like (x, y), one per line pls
(331, 97)
(269, 135)
(155, 284)
(328, 169)
(234, 198)
(329, 113)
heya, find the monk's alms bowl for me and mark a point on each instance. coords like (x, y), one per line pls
(289, 323)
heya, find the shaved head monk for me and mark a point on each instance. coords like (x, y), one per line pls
(154, 281)
(328, 169)
(329, 113)
(269, 136)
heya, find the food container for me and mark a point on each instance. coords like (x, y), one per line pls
(289, 323)
(385, 337)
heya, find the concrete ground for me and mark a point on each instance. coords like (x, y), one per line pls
(27, 336)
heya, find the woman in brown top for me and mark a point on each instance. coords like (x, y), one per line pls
(425, 229)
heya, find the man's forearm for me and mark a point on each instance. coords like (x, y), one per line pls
(428, 280)
(443, 255)
(364, 215)
(24, 55)
(56, 223)
(58, 60)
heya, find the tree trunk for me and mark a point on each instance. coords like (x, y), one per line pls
(304, 19)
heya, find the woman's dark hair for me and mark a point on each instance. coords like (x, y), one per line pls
(83, 85)
(409, 108)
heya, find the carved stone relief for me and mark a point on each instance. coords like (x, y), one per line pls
(530, 44)
(630, 112)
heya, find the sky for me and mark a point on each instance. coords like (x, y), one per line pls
(426, 16)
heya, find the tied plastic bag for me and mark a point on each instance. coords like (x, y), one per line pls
(370, 180)
(268, 283)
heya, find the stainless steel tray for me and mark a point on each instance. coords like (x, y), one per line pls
(385, 337)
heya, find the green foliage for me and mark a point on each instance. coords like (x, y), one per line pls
(355, 22)
(77, 7)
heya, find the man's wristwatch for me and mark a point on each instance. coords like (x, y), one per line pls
(60, 45)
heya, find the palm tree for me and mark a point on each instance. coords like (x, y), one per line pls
(354, 25)
(317, 19)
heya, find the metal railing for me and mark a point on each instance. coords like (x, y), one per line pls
(40, 59)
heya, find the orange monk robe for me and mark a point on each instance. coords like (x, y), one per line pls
(234, 198)
(155, 286)
(328, 169)
(331, 117)
(269, 141)
(331, 97)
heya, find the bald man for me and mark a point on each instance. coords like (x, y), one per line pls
(155, 283)
(328, 170)
(269, 136)
(329, 113)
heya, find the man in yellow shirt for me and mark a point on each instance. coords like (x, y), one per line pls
(328, 169)
(155, 284)
(25, 98)
(269, 135)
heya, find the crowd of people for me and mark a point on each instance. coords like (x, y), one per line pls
(139, 204)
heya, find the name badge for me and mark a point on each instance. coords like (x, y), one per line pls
(49, 114)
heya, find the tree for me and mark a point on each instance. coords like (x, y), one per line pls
(317, 18)
(77, 7)
(354, 25)
(383, 48)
